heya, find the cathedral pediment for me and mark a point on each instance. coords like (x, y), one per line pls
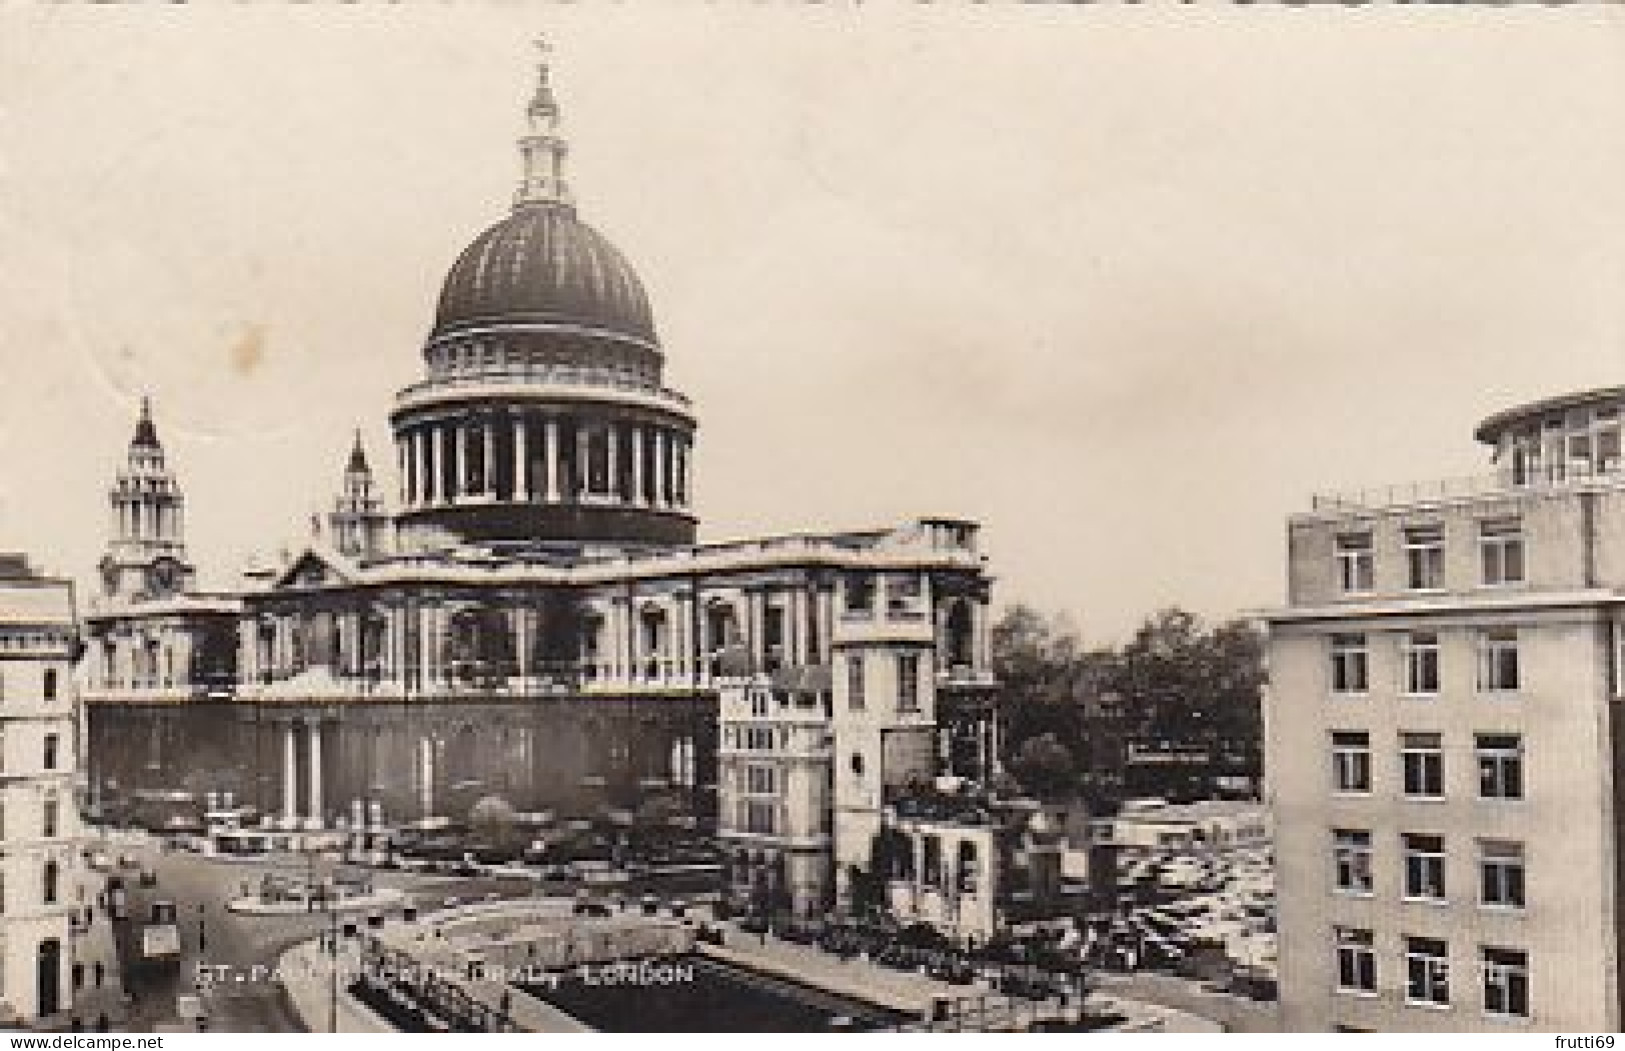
(315, 568)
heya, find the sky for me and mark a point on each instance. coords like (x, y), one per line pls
(1126, 284)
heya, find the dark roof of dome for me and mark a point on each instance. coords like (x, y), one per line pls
(543, 263)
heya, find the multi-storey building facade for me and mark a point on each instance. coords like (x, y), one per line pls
(43, 908)
(534, 619)
(1444, 736)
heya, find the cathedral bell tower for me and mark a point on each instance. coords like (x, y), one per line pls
(358, 522)
(146, 557)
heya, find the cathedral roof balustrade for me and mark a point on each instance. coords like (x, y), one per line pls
(843, 551)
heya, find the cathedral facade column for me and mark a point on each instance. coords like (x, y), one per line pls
(314, 729)
(290, 778)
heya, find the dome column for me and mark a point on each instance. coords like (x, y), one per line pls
(583, 478)
(460, 479)
(637, 464)
(660, 468)
(401, 472)
(443, 490)
(613, 476)
(552, 461)
(521, 465)
(421, 454)
(488, 466)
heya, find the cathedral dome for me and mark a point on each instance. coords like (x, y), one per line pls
(542, 264)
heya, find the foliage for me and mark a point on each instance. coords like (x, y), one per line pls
(1071, 714)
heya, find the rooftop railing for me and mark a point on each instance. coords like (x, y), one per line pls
(1504, 482)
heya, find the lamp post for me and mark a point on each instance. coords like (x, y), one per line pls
(333, 968)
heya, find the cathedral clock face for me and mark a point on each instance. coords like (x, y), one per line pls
(166, 576)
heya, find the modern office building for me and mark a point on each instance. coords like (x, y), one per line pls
(1443, 740)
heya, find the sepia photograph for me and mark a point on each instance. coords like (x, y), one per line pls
(779, 518)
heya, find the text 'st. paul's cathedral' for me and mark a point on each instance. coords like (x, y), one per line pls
(534, 631)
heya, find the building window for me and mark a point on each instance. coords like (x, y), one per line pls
(1351, 761)
(48, 687)
(1424, 867)
(758, 817)
(1500, 766)
(932, 877)
(908, 682)
(1501, 875)
(854, 681)
(1351, 860)
(1351, 664)
(967, 867)
(1427, 972)
(1356, 961)
(860, 594)
(1506, 982)
(761, 780)
(1424, 558)
(50, 877)
(49, 813)
(1420, 650)
(50, 757)
(857, 764)
(1498, 660)
(1356, 566)
(1500, 546)
(1421, 758)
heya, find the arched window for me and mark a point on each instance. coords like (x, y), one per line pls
(49, 685)
(857, 764)
(49, 880)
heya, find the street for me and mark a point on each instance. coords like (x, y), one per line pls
(216, 938)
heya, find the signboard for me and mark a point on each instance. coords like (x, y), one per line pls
(160, 941)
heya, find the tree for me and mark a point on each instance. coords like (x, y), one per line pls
(1046, 767)
(1198, 690)
(1070, 714)
(1034, 660)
